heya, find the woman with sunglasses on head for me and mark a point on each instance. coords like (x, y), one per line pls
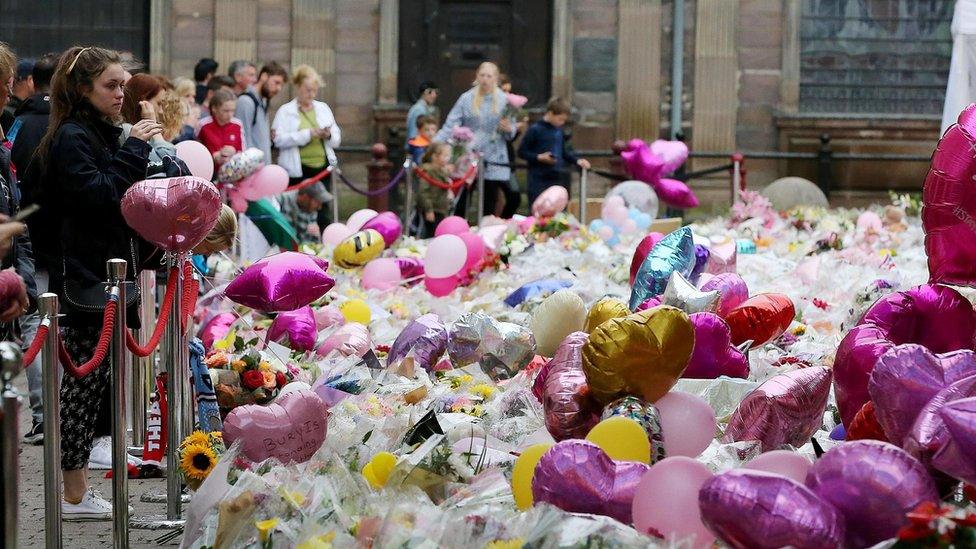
(88, 170)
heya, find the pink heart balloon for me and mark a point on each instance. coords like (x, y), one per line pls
(785, 409)
(562, 388)
(929, 438)
(732, 291)
(673, 153)
(175, 213)
(714, 354)
(291, 429)
(949, 205)
(955, 458)
(578, 477)
(349, 340)
(294, 329)
(906, 377)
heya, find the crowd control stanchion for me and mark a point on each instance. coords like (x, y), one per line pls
(175, 383)
(51, 381)
(407, 207)
(335, 195)
(120, 473)
(11, 360)
(583, 192)
(142, 370)
(481, 191)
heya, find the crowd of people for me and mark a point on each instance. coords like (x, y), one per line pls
(81, 126)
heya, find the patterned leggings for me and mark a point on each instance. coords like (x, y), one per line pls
(82, 400)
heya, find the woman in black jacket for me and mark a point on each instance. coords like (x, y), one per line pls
(87, 170)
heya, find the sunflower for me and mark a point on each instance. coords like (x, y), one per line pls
(197, 438)
(197, 461)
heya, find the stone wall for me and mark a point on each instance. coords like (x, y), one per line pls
(594, 73)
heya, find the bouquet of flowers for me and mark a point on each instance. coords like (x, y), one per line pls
(514, 106)
(552, 227)
(514, 244)
(934, 525)
(245, 377)
(199, 453)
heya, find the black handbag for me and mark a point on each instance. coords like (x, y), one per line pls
(93, 298)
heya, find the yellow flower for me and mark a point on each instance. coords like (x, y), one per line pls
(323, 541)
(238, 366)
(515, 543)
(227, 342)
(483, 390)
(264, 366)
(265, 526)
(800, 330)
(793, 246)
(198, 438)
(197, 461)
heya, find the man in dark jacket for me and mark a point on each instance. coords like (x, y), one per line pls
(544, 148)
(26, 134)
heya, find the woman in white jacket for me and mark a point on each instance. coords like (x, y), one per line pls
(305, 131)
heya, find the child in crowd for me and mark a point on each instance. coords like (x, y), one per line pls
(221, 133)
(426, 130)
(544, 148)
(434, 201)
(302, 210)
(221, 237)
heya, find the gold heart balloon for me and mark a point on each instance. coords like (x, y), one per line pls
(604, 310)
(642, 354)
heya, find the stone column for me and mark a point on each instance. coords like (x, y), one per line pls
(789, 90)
(562, 50)
(235, 31)
(160, 28)
(389, 47)
(313, 41)
(716, 84)
(639, 69)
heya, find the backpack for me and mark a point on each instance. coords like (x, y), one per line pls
(257, 104)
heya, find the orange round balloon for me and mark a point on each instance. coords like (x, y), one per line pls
(761, 318)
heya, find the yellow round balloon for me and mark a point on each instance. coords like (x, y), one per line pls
(622, 438)
(556, 317)
(358, 249)
(604, 310)
(522, 473)
(356, 310)
(642, 354)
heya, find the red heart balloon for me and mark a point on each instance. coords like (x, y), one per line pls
(174, 213)
(949, 205)
(761, 318)
(291, 429)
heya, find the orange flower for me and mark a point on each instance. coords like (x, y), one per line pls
(269, 380)
(217, 360)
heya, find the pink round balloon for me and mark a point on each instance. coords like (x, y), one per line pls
(270, 180)
(359, 218)
(552, 201)
(688, 424)
(335, 233)
(349, 340)
(440, 287)
(290, 429)
(388, 225)
(294, 329)
(605, 232)
(197, 158)
(381, 273)
(452, 225)
(175, 213)
(629, 226)
(475, 249)
(782, 462)
(666, 501)
(446, 255)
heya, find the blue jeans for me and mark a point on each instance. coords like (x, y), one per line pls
(29, 325)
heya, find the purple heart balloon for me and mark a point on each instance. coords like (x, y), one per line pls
(906, 377)
(785, 409)
(569, 412)
(936, 317)
(714, 354)
(290, 429)
(732, 291)
(957, 457)
(281, 282)
(425, 338)
(578, 477)
(295, 329)
(780, 511)
(929, 435)
(872, 485)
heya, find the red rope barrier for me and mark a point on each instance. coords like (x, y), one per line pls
(191, 291)
(35, 347)
(101, 349)
(453, 185)
(310, 181)
(157, 334)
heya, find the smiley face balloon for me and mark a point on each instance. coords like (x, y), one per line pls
(359, 249)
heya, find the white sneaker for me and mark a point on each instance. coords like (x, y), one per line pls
(101, 455)
(91, 507)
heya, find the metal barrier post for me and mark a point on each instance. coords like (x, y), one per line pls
(143, 368)
(120, 473)
(336, 173)
(10, 365)
(51, 373)
(583, 193)
(408, 207)
(736, 176)
(481, 191)
(177, 372)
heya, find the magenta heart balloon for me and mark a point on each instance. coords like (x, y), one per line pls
(714, 354)
(906, 377)
(569, 411)
(786, 409)
(936, 317)
(641, 163)
(578, 477)
(290, 429)
(387, 224)
(175, 213)
(929, 436)
(780, 511)
(294, 329)
(281, 282)
(872, 485)
(732, 291)
(949, 205)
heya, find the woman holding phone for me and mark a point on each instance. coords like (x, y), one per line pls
(305, 130)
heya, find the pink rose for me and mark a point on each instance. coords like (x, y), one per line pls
(517, 101)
